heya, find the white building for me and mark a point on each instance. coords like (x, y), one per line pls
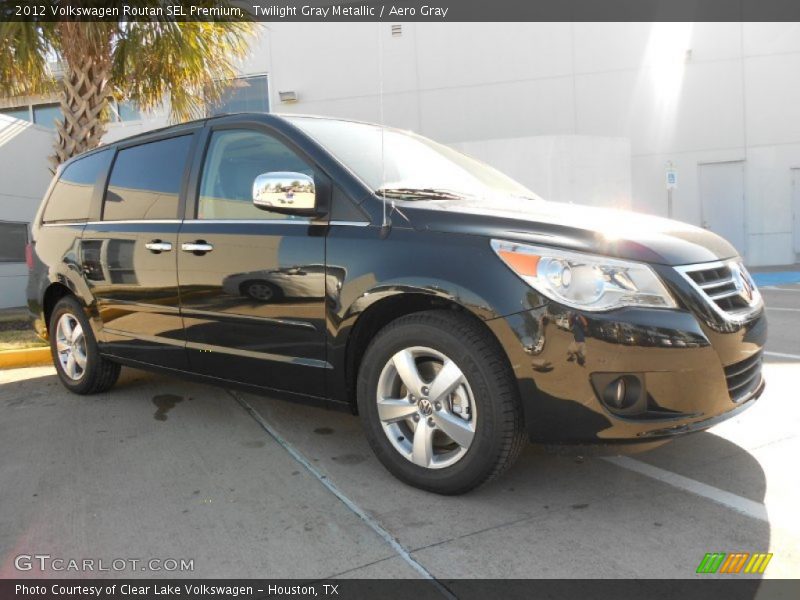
(580, 112)
(24, 174)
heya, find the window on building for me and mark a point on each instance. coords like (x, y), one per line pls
(13, 239)
(123, 111)
(46, 115)
(71, 198)
(245, 94)
(234, 159)
(128, 111)
(146, 180)
(20, 112)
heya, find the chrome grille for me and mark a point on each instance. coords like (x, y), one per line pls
(726, 286)
(743, 377)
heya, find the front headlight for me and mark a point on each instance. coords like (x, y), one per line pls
(584, 281)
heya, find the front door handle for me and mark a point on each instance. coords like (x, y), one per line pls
(157, 246)
(198, 247)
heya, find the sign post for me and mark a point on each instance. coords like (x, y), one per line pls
(672, 183)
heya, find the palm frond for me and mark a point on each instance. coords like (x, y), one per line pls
(27, 48)
(188, 63)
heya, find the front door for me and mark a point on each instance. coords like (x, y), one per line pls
(722, 195)
(128, 257)
(252, 282)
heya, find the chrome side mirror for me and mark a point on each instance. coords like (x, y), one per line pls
(284, 192)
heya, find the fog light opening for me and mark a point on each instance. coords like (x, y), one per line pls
(617, 396)
(622, 393)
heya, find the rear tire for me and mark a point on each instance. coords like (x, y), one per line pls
(471, 414)
(80, 367)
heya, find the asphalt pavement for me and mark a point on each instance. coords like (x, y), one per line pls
(162, 471)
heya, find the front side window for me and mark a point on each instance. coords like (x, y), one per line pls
(72, 195)
(146, 181)
(233, 161)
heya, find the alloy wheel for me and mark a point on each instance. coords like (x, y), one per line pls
(426, 407)
(71, 346)
(260, 291)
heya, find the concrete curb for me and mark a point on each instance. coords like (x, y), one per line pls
(28, 357)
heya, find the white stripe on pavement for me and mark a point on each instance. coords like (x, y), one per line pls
(782, 355)
(796, 290)
(745, 506)
(332, 487)
(783, 309)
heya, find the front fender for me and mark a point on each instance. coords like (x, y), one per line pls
(366, 267)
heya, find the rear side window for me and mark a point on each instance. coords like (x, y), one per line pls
(71, 198)
(146, 181)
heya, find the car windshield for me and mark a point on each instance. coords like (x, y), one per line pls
(413, 168)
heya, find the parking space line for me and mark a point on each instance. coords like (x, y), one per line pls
(745, 506)
(778, 289)
(782, 355)
(357, 510)
(783, 309)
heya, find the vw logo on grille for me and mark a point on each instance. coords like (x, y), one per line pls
(744, 285)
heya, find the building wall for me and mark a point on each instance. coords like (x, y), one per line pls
(25, 175)
(579, 169)
(540, 94)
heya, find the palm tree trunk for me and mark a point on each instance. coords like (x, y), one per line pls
(84, 102)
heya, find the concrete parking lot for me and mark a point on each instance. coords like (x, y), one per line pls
(249, 486)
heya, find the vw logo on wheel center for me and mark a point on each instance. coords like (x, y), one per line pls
(425, 407)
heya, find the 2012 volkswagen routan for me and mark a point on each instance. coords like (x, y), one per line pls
(341, 262)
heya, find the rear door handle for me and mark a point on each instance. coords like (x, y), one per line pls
(198, 247)
(157, 246)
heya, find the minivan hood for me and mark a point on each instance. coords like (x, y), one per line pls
(610, 232)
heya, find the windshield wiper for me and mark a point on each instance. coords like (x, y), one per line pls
(419, 194)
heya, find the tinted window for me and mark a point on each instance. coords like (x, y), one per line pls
(146, 180)
(46, 115)
(17, 113)
(246, 94)
(127, 111)
(13, 238)
(72, 195)
(233, 161)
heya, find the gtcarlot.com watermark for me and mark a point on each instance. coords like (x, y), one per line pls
(56, 564)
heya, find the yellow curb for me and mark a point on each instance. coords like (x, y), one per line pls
(28, 357)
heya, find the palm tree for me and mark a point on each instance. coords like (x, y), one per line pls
(144, 62)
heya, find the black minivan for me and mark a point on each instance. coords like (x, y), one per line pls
(370, 268)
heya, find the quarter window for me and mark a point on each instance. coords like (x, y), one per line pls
(146, 180)
(72, 195)
(233, 161)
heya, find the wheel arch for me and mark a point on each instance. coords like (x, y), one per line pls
(52, 294)
(377, 316)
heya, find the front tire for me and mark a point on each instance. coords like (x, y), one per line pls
(439, 403)
(80, 367)
(262, 291)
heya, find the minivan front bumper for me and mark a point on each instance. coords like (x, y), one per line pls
(684, 370)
